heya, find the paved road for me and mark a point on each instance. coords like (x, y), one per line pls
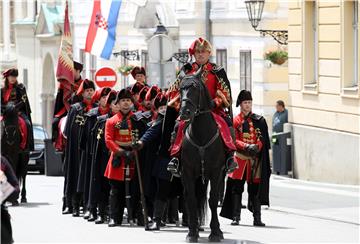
(299, 212)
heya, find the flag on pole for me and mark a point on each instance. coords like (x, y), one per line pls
(65, 65)
(101, 35)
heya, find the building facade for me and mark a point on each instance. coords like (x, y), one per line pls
(31, 35)
(324, 90)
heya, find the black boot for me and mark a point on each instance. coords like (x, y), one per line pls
(76, 212)
(155, 225)
(101, 218)
(64, 204)
(68, 210)
(231, 165)
(173, 167)
(93, 215)
(236, 204)
(87, 214)
(257, 212)
(114, 222)
(159, 209)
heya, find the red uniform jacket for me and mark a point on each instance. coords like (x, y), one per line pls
(242, 140)
(114, 138)
(218, 89)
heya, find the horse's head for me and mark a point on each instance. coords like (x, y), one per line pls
(9, 125)
(194, 96)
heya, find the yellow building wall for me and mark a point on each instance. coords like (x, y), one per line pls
(327, 107)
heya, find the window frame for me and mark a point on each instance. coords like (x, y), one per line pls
(350, 83)
(310, 40)
(248, 75)
(220, 60)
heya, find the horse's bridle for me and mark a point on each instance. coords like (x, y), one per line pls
(202, 148)
(198, 111)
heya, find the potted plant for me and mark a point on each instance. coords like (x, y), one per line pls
(276, 57)
(125, 70)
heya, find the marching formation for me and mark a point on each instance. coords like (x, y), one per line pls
(154, 151)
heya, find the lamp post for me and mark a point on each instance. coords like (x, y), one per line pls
(254, 10)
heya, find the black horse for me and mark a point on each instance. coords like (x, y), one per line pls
(202, 155)
(10, 147)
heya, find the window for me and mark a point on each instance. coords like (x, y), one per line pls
(310, 46)
(355, 80)
(184, 5)
(1, 21)
(221, 58)
(12, 20)
(245, 70)
(350, 49)
(144, 58)
(219, 5)
(25, 78)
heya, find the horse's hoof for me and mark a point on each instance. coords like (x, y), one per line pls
(191, 239)
(23, 200)
(201, 228)
(215, 238)
(15, 203)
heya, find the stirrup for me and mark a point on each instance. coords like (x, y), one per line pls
(173, 167)
(228, 164)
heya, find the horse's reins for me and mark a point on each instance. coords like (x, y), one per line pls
(201, 149)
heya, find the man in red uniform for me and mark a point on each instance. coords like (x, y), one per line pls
(252, 156)
(118, 139)
(139, 74)
(144, 104)
(215, 79)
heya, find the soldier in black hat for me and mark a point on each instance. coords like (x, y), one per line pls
(73, 128)
(86, 146)
(168, 187)
(99, 185)
(252, 156)
(119, 131)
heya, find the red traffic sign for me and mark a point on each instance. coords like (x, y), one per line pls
(105, 77)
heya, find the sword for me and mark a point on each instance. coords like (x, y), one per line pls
(142, 195)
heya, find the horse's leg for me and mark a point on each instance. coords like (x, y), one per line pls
(24, 163)
(191, 205)
(216, 234)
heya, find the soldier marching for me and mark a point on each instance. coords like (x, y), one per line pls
(121, 148)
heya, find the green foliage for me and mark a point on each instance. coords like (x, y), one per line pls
(276, 57)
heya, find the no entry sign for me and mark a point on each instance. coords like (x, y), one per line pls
(105, 77)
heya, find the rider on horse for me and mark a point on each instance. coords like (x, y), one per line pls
(218, 85)
(16, 92)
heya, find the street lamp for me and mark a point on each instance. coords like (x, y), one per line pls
(128, 54)
(254, 10)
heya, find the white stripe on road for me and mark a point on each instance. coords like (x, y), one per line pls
(314, 188)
